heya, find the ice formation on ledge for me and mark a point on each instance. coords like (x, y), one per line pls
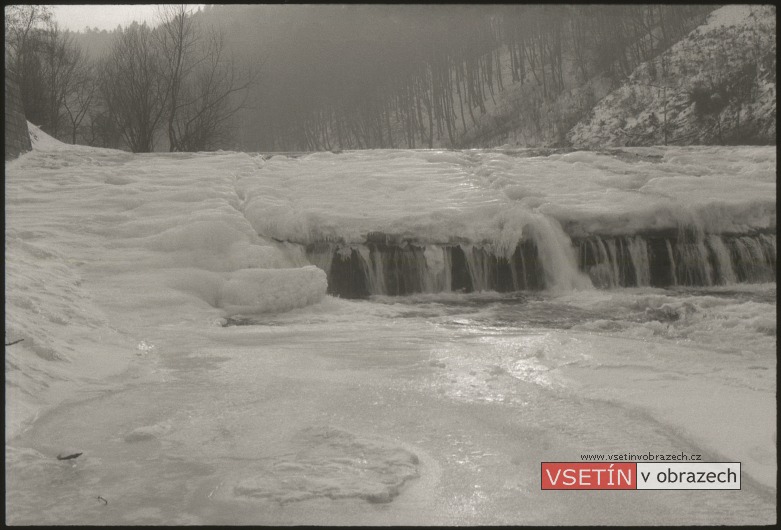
(398, 222)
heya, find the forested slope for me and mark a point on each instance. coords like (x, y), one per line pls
(424, 76)
(330, 77)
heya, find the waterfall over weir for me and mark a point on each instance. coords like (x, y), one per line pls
(659, 261)
(396, 222)
(383, 267)
(359, 271)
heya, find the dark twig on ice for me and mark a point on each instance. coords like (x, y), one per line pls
(103, 500)
(14, 342)
(69, 457)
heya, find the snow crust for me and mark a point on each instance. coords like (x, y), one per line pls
(115, 259)
(210, 235)
(333, 464)
(727, 16)
(728, 365)
(41, 140)
(99, 243)
(489, 196)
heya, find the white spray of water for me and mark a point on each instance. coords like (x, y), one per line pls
(438, 265)
(557, 256)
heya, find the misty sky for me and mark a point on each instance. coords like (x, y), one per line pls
(106, 16)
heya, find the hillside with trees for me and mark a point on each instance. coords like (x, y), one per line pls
(351, 77)
(331, 77)
(715, 86)
(172, 87)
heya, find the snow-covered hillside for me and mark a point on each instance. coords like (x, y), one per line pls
(716, 86)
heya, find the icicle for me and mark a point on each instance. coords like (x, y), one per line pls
(524, 269)
(374, 270)
(672, 261)
(752, 263)
(514, 269)
(476, 268)
(638, 252)
(612, 259)
(726, 274)
(547, 260)
(437, 270)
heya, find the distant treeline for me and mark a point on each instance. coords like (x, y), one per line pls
(370, 76)
(174, 86)
(339, 77)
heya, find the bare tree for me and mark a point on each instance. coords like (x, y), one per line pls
(21, 22)
(215, 91)
(177, 39)
(61, 61)
(23, 27)
(103, 130)
(44, 59)
(204, 86)
(133, 87)
(81, 98)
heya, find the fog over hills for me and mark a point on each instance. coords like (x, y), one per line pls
(328, 77)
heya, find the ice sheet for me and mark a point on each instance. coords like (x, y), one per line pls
(98, 240)
(438, 196)
(117, 261)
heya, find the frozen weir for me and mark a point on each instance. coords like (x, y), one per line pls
(402, 222)
(662, 260)
(388, 267)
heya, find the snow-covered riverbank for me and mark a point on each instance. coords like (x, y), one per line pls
(121, 271)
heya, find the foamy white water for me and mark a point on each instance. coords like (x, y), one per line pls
(122, 271)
